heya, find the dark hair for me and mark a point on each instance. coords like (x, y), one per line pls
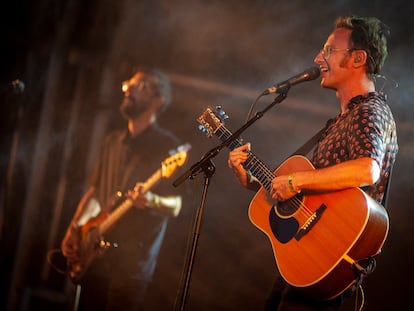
(368, 34)
(163, 85)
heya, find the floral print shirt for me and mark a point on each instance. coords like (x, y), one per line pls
(366, 129)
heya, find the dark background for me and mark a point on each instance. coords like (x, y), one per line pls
(72, 56)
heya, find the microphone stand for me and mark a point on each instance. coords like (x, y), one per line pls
(206, 165)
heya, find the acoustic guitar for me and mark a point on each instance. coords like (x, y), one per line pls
(318, 239)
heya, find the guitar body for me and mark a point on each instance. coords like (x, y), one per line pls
(317, 238)
(316, 243)
(91, 242)
(92, 245)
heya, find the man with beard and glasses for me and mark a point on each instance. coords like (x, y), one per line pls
(119, 278)
(357, 149)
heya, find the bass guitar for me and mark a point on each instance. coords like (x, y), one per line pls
(318, 239)
(91, 233)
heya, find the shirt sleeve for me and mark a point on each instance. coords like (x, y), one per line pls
(366, 132)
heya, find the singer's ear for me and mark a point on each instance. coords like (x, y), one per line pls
(360, 58)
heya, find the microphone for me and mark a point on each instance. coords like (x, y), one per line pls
(15, 86)
(309, 74)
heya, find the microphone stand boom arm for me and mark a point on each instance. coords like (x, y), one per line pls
(201, 164)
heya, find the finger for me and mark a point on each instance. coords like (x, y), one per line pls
(139, 187)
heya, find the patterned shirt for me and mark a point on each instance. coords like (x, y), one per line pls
(366, 129)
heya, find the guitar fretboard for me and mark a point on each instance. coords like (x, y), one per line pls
(127, 204)
(253, 163)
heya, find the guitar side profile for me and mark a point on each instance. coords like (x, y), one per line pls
(317, 238)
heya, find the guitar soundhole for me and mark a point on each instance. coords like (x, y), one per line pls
(289, 207)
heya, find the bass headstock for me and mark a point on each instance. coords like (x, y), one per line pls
(178, 158)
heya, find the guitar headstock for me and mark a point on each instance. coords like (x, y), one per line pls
(177, 159)
(211, 120)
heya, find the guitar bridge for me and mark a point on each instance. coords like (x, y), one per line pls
(310, 222)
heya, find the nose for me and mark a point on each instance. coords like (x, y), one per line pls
(318, 58)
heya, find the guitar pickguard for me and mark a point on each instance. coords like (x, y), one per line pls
(284, 229)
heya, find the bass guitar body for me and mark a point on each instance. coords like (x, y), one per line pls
(91, 241)
(92, 246)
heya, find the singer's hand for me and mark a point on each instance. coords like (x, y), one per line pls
(236, 159)
(238, 156)
(280, 190)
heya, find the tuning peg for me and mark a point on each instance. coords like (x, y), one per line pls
(203, 129)
(185, 147)
(221, 113)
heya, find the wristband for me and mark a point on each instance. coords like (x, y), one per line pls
(290, 184)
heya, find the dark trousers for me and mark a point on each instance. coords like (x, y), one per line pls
(284, 297)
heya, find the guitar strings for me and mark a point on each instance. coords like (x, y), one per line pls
(268, 174)
(296, 202)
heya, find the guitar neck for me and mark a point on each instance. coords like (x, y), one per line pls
(115, 215)
(152, 181)
(253, 163)
(121, 209)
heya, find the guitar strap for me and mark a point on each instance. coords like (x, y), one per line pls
(307, 146)
(387, 190)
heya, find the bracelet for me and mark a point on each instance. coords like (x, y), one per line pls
(156, 201)
(290, 184)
